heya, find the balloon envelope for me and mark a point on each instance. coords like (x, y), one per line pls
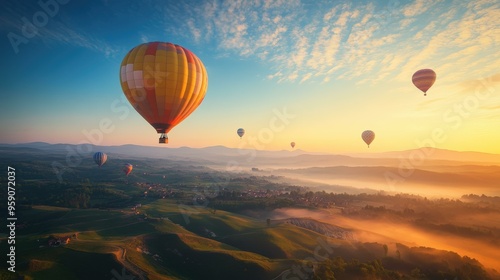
(127, 168)
(292, 144)
(100, 158)
(164, 82)
(368, 136)
(240, 132)
(423, 79)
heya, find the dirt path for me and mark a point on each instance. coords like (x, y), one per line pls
(120, 255)
(280, 275)
(131, 268)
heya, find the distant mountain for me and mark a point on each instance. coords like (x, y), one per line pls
(437, 154)
(160, 152)
(32, 145)
(283, 158)
(307, 160)
(433, 183)
(414, 171)
(490, 176)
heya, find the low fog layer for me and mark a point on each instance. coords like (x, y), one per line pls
(387, 232)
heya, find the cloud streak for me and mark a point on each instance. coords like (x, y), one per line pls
(369, 42)
(55, 30)
(301, 42)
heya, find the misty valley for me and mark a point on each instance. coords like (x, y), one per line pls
(212, 213)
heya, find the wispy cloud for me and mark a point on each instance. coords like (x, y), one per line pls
(458, 40)
(425, 104)
(62, 34)
(321, 42)
(371, 42)
(495, 107)
(490, 84)
(417, 7)
(54, 31)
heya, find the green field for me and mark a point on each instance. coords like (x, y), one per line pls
(165, 240)
(245, 246)
(166, 237)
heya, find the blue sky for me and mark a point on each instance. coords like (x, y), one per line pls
(336, 67)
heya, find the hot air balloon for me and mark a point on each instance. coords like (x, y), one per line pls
(127, 168)
(292, 144)
(100, 158)
(240, 132)
(368, 137)
(164, 82)
(423, 79)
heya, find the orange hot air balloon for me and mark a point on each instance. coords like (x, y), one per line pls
(164, 82)
(127, 168)
(368, 137)
(423, 79)
(292, 144)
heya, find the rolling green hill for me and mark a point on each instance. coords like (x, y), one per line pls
(164, 240)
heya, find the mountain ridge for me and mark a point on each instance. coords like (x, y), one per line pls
(261, 156)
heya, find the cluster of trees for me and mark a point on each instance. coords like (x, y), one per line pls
(393, 269)
(74, 195)
(238, 193)
(482, 199)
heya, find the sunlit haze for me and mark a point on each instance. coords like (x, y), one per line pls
(250, 139)
(314, 72)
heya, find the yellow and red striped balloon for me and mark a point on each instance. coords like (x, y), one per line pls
(423, 79)
(164, 82)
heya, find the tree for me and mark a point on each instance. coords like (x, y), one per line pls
(323, 271)
(339, 264)
(386, 250)
(416, 273)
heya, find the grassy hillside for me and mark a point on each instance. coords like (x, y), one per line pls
(164, 240)
(153, 243)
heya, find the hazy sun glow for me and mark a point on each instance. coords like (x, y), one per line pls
(317, 74)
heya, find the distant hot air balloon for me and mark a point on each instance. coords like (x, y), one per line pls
(423, 79)
(240, 132)
(368, 137)
(292, 144)
(100, 158)
(164, 82)
(127, 168)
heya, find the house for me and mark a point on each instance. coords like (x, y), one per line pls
(57, 241)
